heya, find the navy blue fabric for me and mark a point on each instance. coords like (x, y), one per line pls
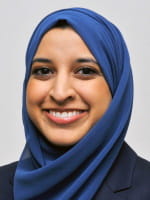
(45, 173)
(129, 178)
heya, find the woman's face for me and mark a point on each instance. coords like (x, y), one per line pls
(66, 92)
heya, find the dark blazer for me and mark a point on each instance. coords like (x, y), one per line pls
(128, 179)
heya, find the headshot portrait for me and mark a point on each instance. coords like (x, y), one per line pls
(75, 105)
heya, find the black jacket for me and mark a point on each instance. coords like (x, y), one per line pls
(128, 179)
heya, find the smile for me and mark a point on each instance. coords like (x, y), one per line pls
(65, 117)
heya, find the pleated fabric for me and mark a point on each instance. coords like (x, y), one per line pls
(45, 173)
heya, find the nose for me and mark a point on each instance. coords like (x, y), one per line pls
(62, 91)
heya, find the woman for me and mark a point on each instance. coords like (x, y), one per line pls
(77, 102)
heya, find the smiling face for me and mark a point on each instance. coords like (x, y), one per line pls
(66, 92)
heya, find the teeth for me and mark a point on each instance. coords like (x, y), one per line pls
(64, 114)
(57, 114)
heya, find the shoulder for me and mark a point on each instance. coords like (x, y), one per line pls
(137, 174)
(7, 171)
(7, 167)
(141, 177)
(129, 178)
(143, 166)
(6, 180)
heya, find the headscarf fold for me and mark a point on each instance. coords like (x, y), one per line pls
(44, 172)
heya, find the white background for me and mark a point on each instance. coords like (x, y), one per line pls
(17, 21)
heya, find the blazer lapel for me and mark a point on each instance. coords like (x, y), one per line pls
(105, 193)
(120, 176)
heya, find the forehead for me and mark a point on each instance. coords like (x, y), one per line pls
(62, 40)
(58, 35)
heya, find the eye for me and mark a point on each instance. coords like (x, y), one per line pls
(42, 71)
(87, 71)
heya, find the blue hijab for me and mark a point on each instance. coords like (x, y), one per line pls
(45, 173)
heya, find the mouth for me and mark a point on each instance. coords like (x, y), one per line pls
(65, 116)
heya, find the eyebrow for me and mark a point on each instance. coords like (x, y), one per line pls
(43, 60)
(88, 60)
(79, 60)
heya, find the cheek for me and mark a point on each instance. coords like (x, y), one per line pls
(96, 93)
(36, 92)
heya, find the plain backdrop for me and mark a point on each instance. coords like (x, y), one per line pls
(17, 21)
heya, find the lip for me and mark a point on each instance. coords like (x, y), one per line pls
(67, 120)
